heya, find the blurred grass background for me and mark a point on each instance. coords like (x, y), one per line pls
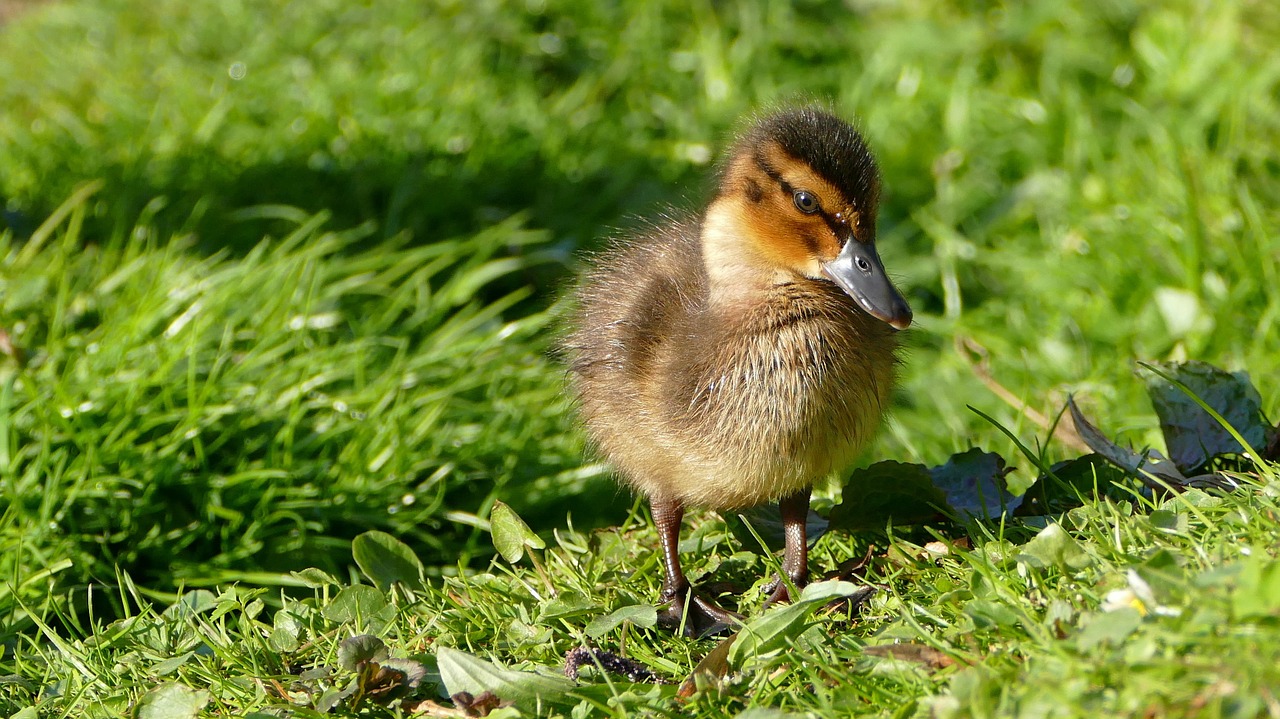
(1071, 185)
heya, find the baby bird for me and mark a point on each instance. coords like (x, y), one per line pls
(733, 358)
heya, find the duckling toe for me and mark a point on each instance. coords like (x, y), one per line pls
(696, 616)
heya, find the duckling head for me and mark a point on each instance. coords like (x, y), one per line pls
(798, 196)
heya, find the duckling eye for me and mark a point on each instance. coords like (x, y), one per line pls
(805, 202)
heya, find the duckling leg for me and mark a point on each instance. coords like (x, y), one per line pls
(795, 558)
(698, 615)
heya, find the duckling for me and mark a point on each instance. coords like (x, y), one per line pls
(733, 358)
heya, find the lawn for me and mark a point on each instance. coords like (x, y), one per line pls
(279, 284)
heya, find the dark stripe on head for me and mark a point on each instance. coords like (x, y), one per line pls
(828, 145)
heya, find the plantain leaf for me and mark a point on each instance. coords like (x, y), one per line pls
(462, 672)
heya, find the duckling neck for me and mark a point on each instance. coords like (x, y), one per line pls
(737, 271)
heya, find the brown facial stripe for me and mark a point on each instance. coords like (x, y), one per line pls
(841, 228)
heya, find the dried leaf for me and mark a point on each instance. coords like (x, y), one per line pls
(911, 652)
(1153, 464)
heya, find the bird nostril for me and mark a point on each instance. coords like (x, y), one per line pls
(864, 265)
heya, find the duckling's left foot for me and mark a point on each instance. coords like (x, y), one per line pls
(795, 558)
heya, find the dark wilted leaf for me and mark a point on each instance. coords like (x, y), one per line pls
(887, 491)
(1192, 436)
(361, 649)
(473, 706)
(1072, 481)
(974, 485)
(388, 679)
(1151, 468)
(386, 560)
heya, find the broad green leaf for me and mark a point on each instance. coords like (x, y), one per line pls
(987, 614)
(1257, 590)
(192, 603)
(171, 664)
(355, 602)
(641, 615)
(1108, 628)
(462, 672)
(386, 560)
(172, 701)
(778, 627)
(1053, 547)
(567, 604)
(510, 534)
(313, 578)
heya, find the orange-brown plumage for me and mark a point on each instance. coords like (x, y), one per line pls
(732, 359)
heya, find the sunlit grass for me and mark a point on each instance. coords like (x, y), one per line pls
(313, 292)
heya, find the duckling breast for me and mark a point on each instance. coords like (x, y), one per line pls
(723, 408)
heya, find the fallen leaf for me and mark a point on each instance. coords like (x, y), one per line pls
(911, 652)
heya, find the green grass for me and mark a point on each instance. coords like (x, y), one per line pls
(1073, 186)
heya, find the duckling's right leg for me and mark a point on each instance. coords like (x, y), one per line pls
(687, 609)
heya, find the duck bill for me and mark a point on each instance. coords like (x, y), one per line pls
(859, 272)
